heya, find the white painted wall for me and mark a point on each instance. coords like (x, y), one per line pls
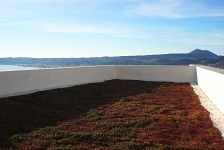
(157, 73)
(211, 81)
(19, 82)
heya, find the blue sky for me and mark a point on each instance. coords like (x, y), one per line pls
(95, 28)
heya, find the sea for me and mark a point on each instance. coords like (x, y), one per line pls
(12, 68)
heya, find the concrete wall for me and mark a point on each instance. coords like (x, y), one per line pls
(211, 81)
(19, 82)
(157, 73)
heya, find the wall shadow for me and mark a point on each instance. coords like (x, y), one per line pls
(26, 113)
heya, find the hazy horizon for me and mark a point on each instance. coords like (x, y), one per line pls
(98, 28)
(102, 56)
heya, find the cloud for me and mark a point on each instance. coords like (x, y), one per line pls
(211, 38)
(219, 35)
(151, 8)
(110, 30)
(156, 33)
(74, 29)
(203, 41)
(57, 26)
(40, 1)
(158, 8)
(113, 29)
(175, 9)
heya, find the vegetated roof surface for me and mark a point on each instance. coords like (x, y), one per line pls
(115, 114)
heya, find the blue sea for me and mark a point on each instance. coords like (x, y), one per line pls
(11, 68)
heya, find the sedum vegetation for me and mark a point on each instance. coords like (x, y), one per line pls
(116, 114)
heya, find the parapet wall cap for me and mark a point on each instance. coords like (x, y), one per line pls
(218, 70)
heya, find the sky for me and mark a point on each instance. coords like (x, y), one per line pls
(96, 28)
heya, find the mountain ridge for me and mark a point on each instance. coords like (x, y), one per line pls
(196, 52)
(199, 51)
(196, 56)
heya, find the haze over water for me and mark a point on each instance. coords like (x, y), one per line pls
(12, 68)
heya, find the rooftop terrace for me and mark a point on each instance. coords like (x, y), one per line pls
(126, 114)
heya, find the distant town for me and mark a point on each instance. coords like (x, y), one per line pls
(197, 56)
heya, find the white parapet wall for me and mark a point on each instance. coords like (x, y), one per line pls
(211, 81)
(157, 73)
(22, 82)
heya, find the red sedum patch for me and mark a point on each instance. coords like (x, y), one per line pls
(121, 114)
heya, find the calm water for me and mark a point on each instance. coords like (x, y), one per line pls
(10, 67)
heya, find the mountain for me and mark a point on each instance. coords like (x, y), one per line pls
(204, 53)
(196, 56)
(198, 51)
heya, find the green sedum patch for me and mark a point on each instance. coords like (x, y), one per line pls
(93, 113)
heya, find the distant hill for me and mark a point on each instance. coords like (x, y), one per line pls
(204, 53)
(196, 56)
